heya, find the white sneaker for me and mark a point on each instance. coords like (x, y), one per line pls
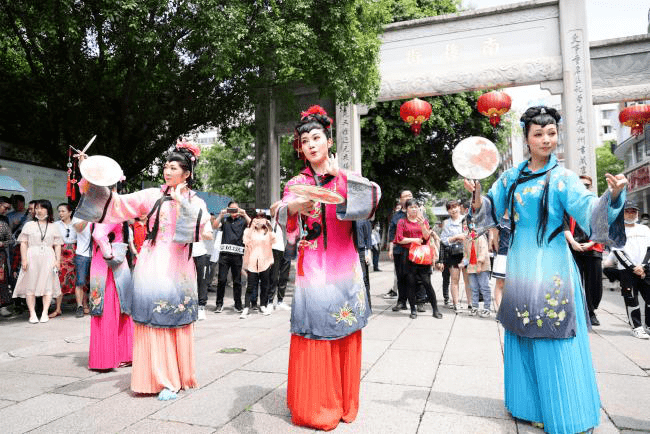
(640, 333)
(266, 310)
(484, 313)
(283, 306)
(244, 313)
(201, 313)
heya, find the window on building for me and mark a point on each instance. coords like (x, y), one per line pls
(607, 129)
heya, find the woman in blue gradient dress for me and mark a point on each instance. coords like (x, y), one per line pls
(548, 374)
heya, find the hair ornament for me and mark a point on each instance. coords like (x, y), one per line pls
(542, 111)
(194, 149)
(122, 178)
(319, 113)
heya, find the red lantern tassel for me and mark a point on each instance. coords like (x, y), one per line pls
(69, 189)
(472, 255)
(300, 271)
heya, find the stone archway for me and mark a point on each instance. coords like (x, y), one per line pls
(540, 41)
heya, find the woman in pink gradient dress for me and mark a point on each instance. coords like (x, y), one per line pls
(163, 303)
(329, 304)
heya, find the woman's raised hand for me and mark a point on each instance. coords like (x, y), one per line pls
(176, 192)
(616, 184)
(472, 187)
(332, 165)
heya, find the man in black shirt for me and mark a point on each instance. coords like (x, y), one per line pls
(232, 221)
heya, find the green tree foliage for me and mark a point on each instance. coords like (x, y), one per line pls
(228, 167)
(140, 73)
(606, 162)
(403, 10)
(397, 159)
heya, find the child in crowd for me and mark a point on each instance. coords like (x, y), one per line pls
(476, 259)
(258, 258)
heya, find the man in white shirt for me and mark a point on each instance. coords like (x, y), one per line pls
(631, 261)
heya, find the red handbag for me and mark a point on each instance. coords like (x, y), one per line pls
(422, 254)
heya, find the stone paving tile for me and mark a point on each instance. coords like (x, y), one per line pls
(383, 329)
(100, 386)
(250, 422)
(256, 342)
(30, 385)
(76, 366)
(385, 408)
(635, 349)
(452, 423)
(406, 367)
(421, 339)
(607, 359)
(227, 396)
(467, 326)
(473, 351)
(276, 360)
(274, 403)
(6, 403)
(371, 351)
(34, 412)
(426, 321)
(468, 391)
(606, 426)
(160, 427)
(106, 416)
(213, 365)
(616, 392)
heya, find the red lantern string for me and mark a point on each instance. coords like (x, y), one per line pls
(70, 190)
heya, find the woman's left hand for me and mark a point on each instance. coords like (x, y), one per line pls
(176, 192)
(616, 184)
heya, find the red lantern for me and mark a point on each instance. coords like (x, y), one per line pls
(494, 105)
(414, 112)
(635, 117)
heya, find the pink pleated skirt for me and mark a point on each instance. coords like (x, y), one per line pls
(163, 358)
(111, 334)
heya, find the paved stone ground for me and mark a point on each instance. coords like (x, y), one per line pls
(419, 376)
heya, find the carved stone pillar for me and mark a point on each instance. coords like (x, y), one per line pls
(348, 137)
(267, 155)
(578, 122)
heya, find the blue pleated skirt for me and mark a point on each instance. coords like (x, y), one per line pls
(552, 380)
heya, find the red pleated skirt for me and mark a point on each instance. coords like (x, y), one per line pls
(163, 358)
(111, 334)
(324, 377)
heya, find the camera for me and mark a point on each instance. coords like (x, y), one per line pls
(232, 210)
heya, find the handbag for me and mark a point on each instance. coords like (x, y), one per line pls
(422, 254)
(455, 249)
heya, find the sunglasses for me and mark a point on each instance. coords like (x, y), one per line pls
(67, 232)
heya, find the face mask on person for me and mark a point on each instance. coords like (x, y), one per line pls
(630, 222)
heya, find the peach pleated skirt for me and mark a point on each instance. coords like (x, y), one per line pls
(323, 384)
(163, 359)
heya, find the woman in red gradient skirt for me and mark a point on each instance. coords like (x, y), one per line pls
(329, 306)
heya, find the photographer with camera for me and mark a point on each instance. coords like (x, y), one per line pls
(633, 263)
(232, 221)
